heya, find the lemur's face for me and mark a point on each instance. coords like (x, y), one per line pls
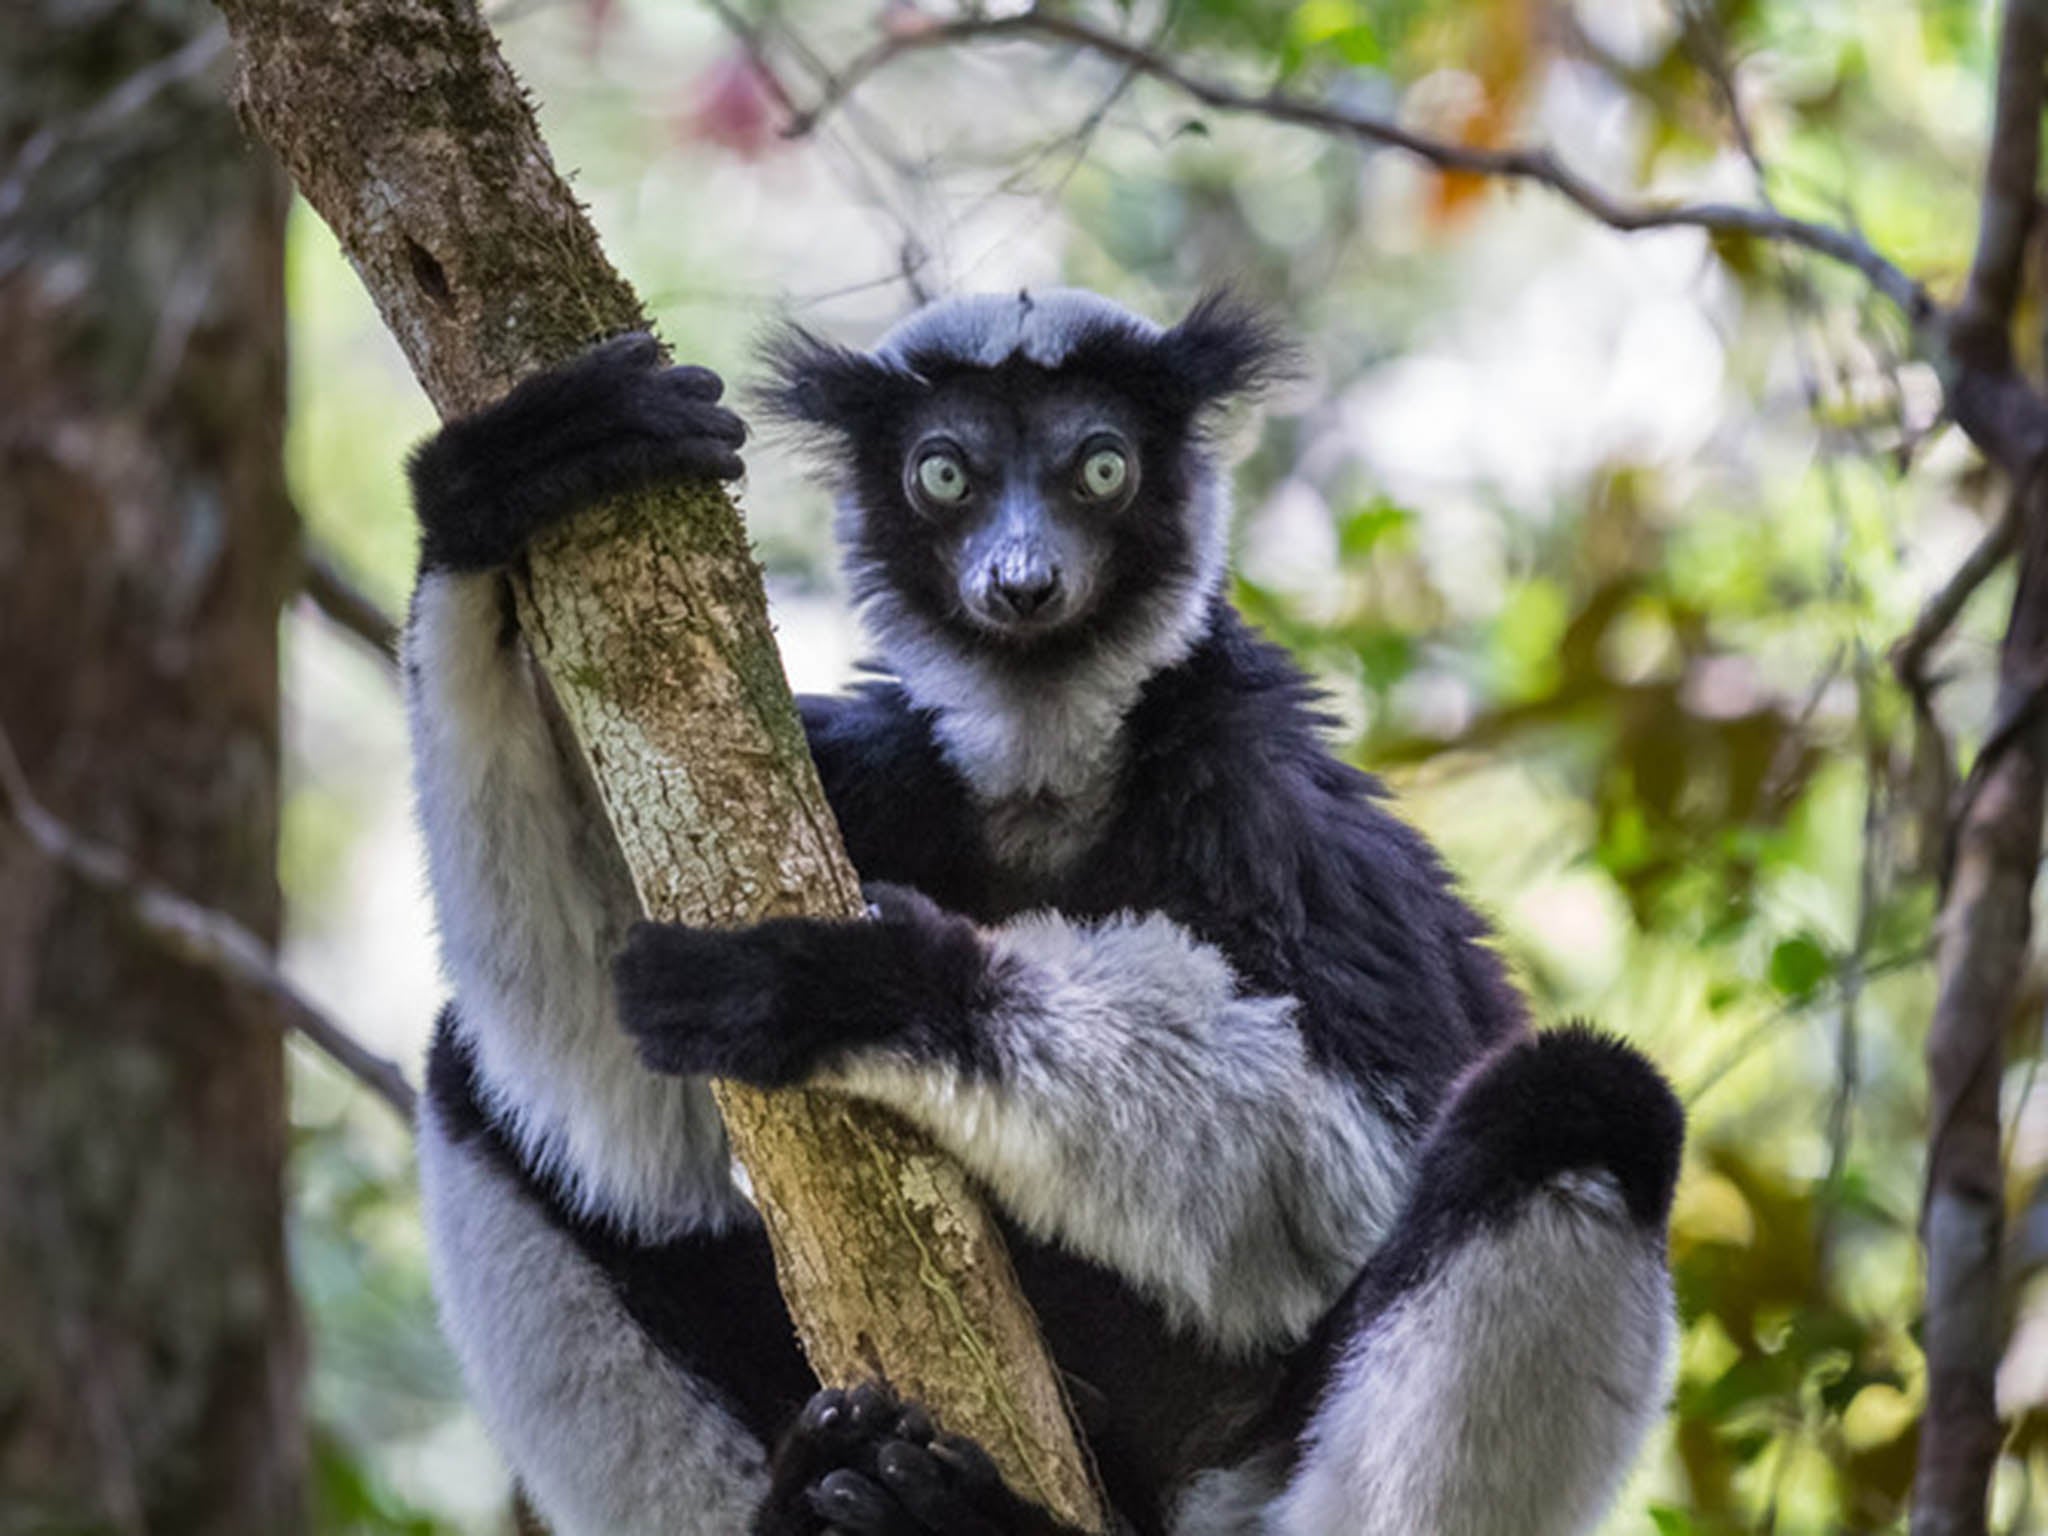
(1026, 478)
(1018, 495)
(1014, 507)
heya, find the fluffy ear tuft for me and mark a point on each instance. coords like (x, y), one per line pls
(1227, 346)
(817, 384)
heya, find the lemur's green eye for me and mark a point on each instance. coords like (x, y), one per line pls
(1104, 473)
(942, 477)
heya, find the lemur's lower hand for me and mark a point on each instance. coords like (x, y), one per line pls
(773, 1003)
(860, 1463)
(615, 419)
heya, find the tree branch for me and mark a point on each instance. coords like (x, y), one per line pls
(1985, 924)
(194, 933)
(1987, 398)
(1983, 321)
(1536, 165)
(403, 127)
(347, 605)
(1909, 655)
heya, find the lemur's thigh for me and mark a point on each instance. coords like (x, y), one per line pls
(611, 1436)
(1497, 1365)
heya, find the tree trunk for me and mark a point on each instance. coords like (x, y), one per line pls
(404, 128)
(1983, 929)
(150, 1359)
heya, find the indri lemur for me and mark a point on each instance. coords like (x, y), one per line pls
(1327, 1241)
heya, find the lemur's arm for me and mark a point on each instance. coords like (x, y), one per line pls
(531, 895)
(1111, 1082)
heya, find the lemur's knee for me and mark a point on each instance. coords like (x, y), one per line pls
(1498, 1363)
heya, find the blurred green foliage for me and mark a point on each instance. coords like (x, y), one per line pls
(1598, 542)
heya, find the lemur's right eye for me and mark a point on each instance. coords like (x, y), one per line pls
(943, 478)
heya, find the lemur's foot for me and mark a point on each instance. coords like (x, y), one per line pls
(861, 1463)
(616, 419)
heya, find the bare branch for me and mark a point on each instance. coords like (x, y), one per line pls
(2011, 189)
(1984, 930)
(347, 605)
(1537, 165)
(195, 933)
(1909, 655)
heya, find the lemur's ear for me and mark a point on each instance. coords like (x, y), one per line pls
(814, 383)
(1226, 346)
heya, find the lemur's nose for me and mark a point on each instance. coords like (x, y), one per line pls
(1025, 593)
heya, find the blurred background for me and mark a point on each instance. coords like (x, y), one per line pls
(1598, 541)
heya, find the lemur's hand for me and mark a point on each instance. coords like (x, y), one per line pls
(773, 1003)
(860, 1463)
(615, 419)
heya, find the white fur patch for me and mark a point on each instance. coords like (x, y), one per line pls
(988, 329)
(1152, 1118)
(1507, 1395)
(533, 900)
(608, 1437)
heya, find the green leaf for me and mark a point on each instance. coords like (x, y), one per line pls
(1799, 965)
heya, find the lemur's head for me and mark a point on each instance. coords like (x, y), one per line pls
(1023, 479)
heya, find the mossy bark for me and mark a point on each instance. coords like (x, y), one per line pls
(403, 126)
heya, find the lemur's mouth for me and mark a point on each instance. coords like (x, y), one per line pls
(1023, 631)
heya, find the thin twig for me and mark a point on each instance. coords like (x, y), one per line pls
(1708, 43)
(195, 933)
(1938, 616)
(347, 605)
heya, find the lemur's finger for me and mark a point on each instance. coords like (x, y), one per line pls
(630, 349)
(698, 383)
(850, 1500)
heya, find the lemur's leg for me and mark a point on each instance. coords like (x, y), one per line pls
(609, 1434)
(1496, 1366)
(614, 1423)
(1110, 1081)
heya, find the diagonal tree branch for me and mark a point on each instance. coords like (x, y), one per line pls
(334, 592)
(402, 125)
(196, 933)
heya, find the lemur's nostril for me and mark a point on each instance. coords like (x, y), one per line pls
(1024, 596)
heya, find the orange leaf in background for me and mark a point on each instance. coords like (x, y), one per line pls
(1453, 194)
(733, 107)
(1480, 104)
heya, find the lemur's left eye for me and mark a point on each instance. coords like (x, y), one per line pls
(942, 477)
(1104, 473)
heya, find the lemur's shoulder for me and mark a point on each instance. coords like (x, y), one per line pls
(903, 811)
(1299, 866)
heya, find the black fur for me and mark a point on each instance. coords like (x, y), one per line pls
(861, 1463)
(771, 1004)
(612, 421)
(1235, 821)
(1567, 1100)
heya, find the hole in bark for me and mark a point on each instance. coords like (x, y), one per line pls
(428, 273)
